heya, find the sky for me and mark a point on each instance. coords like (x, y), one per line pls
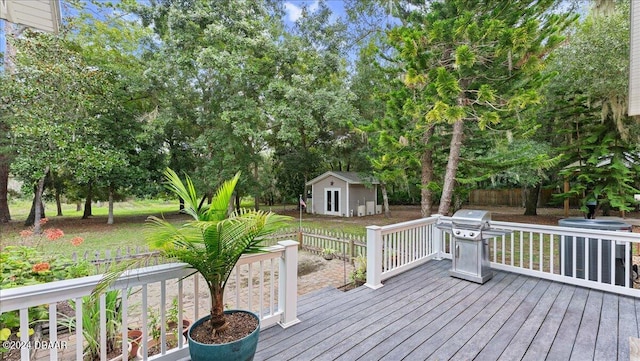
(293, 8)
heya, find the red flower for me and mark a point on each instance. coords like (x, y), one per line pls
(41, 267)
(26, 233)
(76, 241)
(53, 233)
(44, 221)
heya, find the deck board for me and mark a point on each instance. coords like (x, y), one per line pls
(528, 329)
(541, 344)
(584, 347)
(451, 346)
(426, 314)
(607, 341)
(562, 345)
(626, 325)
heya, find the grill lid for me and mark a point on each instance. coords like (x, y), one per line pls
(467, 218)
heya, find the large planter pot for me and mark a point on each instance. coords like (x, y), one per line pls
(241, 350)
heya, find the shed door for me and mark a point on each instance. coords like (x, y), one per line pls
(332, 201)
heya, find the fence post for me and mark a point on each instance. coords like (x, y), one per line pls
(288, 284)
(352, 250)
(374, 257)
(438, 240)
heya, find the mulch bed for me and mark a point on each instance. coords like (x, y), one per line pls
(240, 325)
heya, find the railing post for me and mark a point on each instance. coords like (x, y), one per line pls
(374, 257)
(438, 240)
(288, 286)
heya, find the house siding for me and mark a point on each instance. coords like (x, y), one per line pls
(41, 14)
(359, 195)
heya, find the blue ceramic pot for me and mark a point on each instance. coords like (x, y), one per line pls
(240, 350)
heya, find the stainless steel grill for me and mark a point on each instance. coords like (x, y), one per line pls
(471, 230)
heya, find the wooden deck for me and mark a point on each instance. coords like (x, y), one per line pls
(425, 314)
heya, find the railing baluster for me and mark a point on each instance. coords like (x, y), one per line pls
(541, 239)
(145, 322)
(512, 250)
(504, 249)
(79, 329)
(551, 255)
(53, 330)
(521, 249)
(612, 262)
(530, 250)
(250, 286)
(600, 273)
(124, 294)
(625, 260)
(563, 255)
(586, 266)
(575, 258)
(261, 294)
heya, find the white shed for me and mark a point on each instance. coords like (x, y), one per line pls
(344, 194)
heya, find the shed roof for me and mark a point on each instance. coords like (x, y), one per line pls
(349, 177)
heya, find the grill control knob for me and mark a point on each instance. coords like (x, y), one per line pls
(471, 234)
(457, 233)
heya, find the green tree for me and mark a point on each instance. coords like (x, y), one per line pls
(588, 100)
(214, 61)
(313, 119)
(476, 61)
(55, 114)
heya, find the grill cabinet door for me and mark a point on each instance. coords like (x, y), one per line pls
(467, 256)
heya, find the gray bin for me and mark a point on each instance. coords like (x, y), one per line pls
(622, 262)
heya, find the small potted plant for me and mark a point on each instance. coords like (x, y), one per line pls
(211, 244)
(328, 253)
(172, 319)
(155, 331)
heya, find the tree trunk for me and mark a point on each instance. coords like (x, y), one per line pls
(78, 206)
(452, 167)
(87, 203)
(32, 212)
(385, 200)
(58, 203)
(531, 201)
(37, 199)
(426, 160)
(256, 197)
(110, 217)
(217, 308)
(5, 215)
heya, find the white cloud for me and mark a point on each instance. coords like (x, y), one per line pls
(294, 12)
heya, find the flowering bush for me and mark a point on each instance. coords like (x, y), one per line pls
(28, 265)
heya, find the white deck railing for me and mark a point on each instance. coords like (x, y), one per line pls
(264, 283)
(550, 252)
(396, 248)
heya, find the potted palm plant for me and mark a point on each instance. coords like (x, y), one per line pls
(211, 243)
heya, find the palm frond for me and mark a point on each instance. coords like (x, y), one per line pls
(186, 192)
(219, 204)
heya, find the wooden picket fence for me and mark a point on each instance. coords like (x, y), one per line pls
(103, 259)
(345, 246)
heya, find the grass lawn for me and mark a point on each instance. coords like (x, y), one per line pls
(128, 230)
